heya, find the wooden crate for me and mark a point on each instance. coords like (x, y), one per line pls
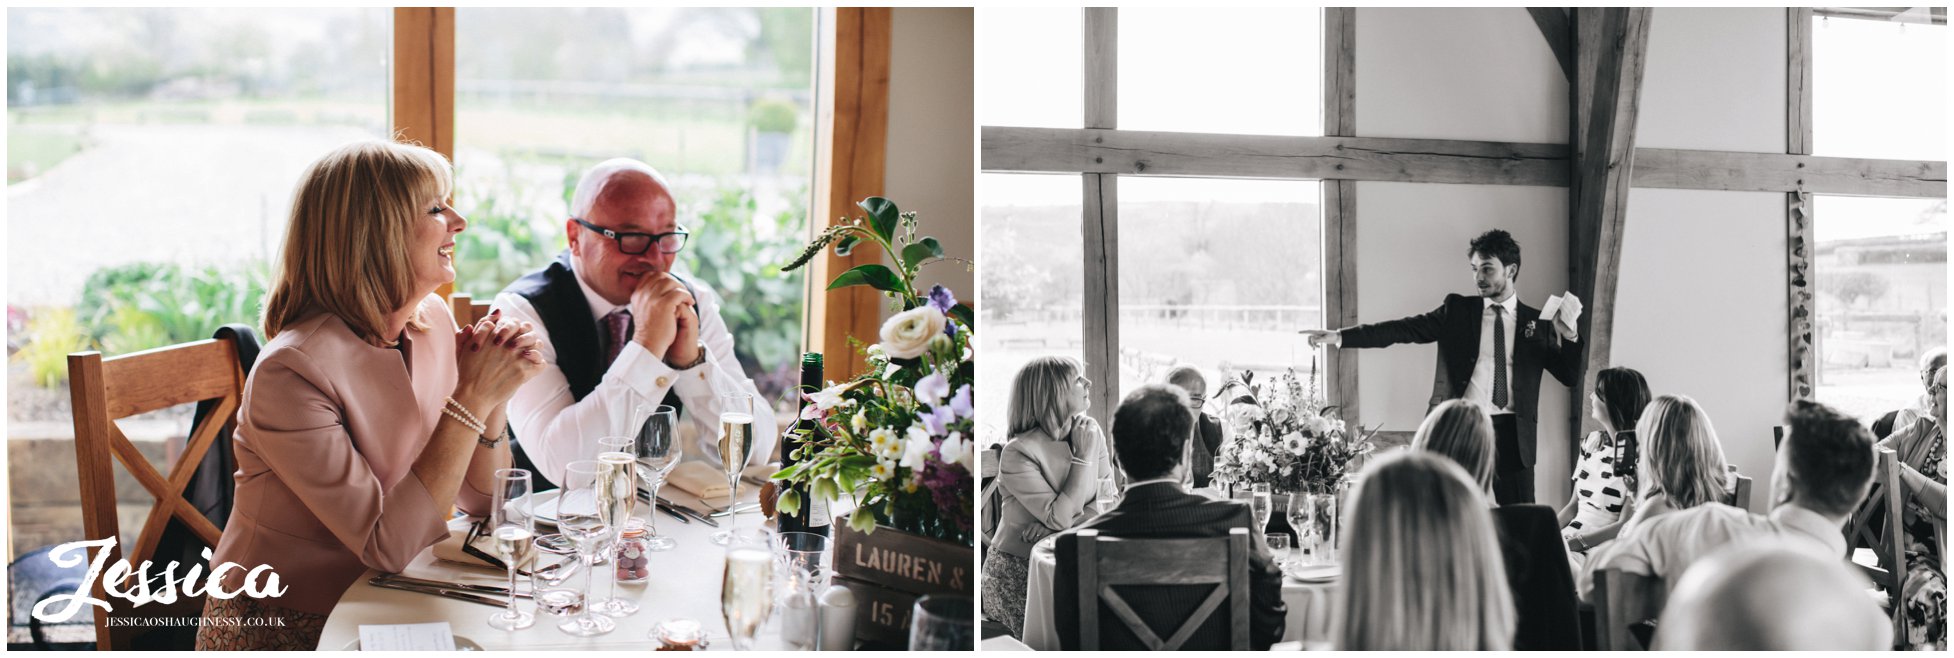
(889, 570)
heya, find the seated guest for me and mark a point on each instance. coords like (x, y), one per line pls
(367, 417)
(621, 330)
(1921, 448)
(1604, 477)
(1536, 562)
(1922, 407)
(1053, 467)
(1771, 598)
(1207, 428)
(1422, 565)
(1150, 429)
(1823, 471)
(1682, 464)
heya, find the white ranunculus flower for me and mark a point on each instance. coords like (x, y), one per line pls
(915, 447)
(907, 334)
(953, 450)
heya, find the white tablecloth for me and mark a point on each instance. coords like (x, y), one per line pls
(684, 583)
(1308, 621)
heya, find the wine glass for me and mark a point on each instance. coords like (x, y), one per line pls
(546, 583)
(658, 453)
(1302, 521)
(942, 623)
(578, 515)
(735, 439)
(1279, 549)
(746, 588)
(617, 495)
(1259, 502)
(512, 525)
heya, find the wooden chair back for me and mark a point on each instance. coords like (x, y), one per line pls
(467, 311)
(105, 390)
(1878, 524)
(1105, 563)
(1623, 600)
(1740, 493)
(1777, 436)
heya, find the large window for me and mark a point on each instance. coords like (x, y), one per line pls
(1879, 266)
(1210, 272)
(720, 100)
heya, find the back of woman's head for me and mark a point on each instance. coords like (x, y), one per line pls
(1423, 564)
(1462, 432)
(1624, 393)
(346, 246)
(1680, 454)
(1040, 394)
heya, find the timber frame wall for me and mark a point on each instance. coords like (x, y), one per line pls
(1601, 50)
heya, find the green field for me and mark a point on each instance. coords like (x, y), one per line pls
(32, 150)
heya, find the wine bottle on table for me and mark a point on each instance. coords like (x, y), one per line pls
(813, 514)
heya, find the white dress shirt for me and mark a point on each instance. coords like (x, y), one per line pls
(555, 428)
(1480, 389)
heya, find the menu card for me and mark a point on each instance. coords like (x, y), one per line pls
(436, 636)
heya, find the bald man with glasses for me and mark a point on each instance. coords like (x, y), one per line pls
(621, 330)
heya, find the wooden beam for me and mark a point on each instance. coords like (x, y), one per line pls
(1604, 171)
(1558, 28)
(1798, 80)
(851, 154)
(1100, 218)
(1799, 238)
(1916, 15)
(1144, 153)
(424, 82)
(1339, 209)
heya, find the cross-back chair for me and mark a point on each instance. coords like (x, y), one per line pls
(1878, 524)
(1624, 601)
(1105, 563)
(105, 390)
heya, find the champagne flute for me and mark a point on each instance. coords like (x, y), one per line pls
(746, 590)
(658, 453)
(735, 439)
(578, 516)
(617, 495)
(1260, 503)
(512, 524)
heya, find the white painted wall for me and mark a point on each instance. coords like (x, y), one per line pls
(1700, 311)
(932, 135)
(1411, 252)
(1714, 80)
(1480, 74)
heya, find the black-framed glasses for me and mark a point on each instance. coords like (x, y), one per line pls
(634, 243)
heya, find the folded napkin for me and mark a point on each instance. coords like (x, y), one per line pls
(450, 549)
(708, 482)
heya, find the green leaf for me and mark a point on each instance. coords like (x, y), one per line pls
(872, 275)
(787, 473)
(882, 216)
(920, 250)
(963, 313)
(847, 244)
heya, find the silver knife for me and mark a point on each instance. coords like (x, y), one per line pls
(423, 582)
(457, 595)
(664, 508)
(688, 511)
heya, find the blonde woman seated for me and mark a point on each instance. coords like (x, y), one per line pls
(1681, 466)
(1604, 478)
(1530, 543)
(367, 416)
(1423, 569)
(1054, 467)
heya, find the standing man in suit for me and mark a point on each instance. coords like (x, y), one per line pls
(1491, 349)
(1150, 430)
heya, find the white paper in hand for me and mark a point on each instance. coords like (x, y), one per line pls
(1549, 309)
(1570, 309)
(437, 636)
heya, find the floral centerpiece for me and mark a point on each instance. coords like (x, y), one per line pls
(898, 437)
(1285, 437)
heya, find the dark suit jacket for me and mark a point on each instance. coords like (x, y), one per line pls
(1537, 570)
(1203, 451)
(1454, 325)
(1164, 511)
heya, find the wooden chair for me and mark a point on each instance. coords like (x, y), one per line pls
(1740, 494)
(467, 311)
(1777, 436)
(1623, 601)
(105, 390)
(1105, 563)
(1878, 524)
(987, 476)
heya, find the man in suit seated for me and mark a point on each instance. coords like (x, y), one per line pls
(1772, 598)
(1150, 430)
(1823, 470)
(1200, 454)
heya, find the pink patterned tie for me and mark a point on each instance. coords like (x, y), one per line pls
(618, 326)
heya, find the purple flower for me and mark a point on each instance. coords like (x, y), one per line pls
(937, 420)
(941, 298)
(961, 402)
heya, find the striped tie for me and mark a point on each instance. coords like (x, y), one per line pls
(1499, 357)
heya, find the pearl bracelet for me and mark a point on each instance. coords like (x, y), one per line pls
(464, 417)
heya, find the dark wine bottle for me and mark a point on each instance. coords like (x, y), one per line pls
(813, 514)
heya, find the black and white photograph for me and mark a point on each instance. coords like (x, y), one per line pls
(1462, 329)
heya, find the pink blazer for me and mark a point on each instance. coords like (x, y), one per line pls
(326, 440)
